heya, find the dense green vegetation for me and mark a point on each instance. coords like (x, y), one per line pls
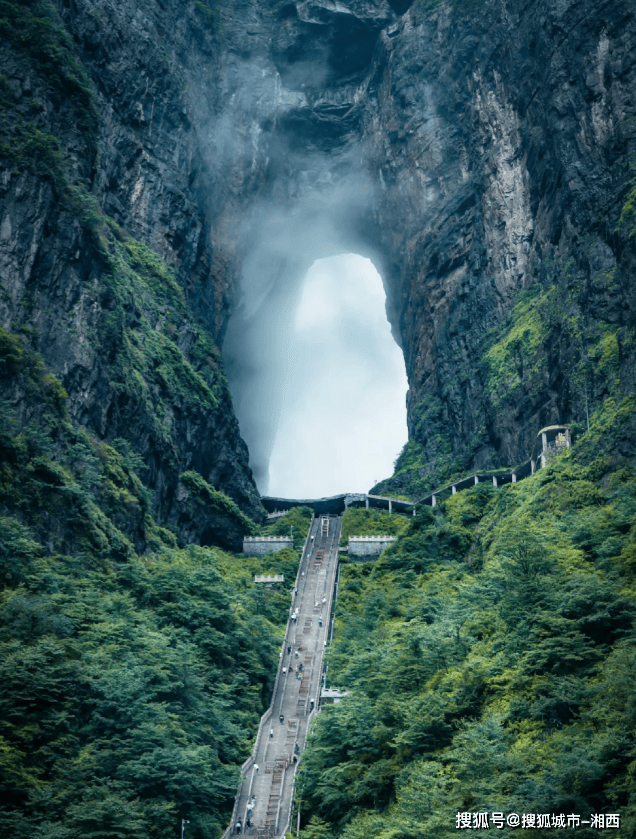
(358, 521)
(131, 685)
(490, 658)
(129, 693)
(298, 518)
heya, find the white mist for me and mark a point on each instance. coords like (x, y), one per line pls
(343, 418)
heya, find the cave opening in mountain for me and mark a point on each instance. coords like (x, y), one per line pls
(343, 418)
(318, 381)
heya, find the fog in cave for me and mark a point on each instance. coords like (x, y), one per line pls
(342, 418)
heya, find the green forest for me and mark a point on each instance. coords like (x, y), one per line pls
(489, 655)
(361, 522)
(131, 684)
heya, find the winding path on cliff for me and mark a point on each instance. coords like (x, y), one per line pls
(266, 790)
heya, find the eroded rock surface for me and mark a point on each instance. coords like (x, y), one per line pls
(477, 151)
(504, 168)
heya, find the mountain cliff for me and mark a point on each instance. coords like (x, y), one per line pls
(479, 152)
(168, 172)
(109, 267)
(506, 167)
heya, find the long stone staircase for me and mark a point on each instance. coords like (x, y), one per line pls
(266, 790)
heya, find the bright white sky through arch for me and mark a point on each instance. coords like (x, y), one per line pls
(344, 411)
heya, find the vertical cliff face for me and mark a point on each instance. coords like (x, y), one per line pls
(111, 264)
(478, 152)
(494, 140)
(504, 136)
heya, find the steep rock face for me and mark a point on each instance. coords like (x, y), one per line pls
(102, 152)
(481, 158)
(477, 152)
(496, 140)
(504, 136)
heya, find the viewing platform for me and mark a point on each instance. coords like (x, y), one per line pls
(331, 696)
(368, 545)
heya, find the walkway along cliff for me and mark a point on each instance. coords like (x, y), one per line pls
(549, 441)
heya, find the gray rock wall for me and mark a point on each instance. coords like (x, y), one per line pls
(122, 336)
(505, 163)
(472, 149)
